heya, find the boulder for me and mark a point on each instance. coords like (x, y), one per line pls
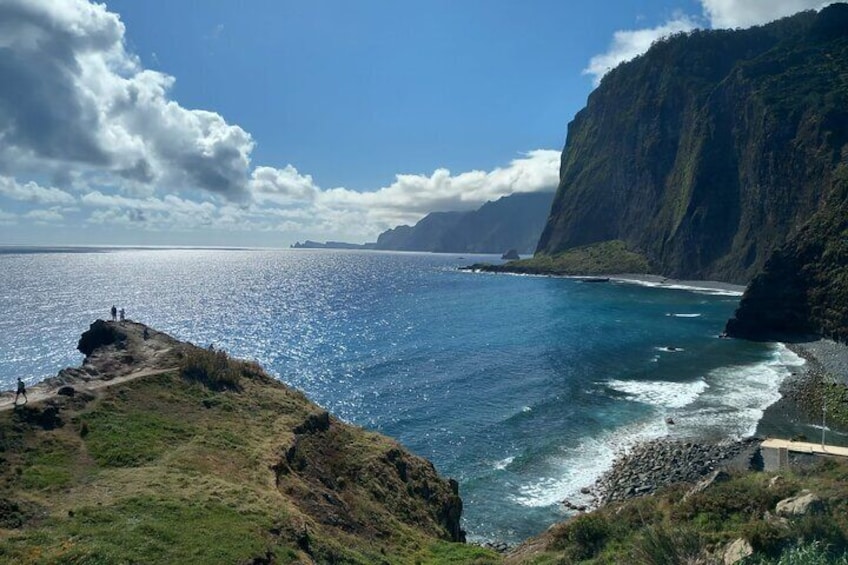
(736, 551)
(511, 255)
(804, 503)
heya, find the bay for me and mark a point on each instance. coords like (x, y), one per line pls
(522, 388)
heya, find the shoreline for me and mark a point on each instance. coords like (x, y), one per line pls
(653, 464)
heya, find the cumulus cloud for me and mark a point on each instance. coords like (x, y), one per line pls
(33, 192)
(77, 107)
(285, 200)
(717, 14)
(72, 96)
(44, 216)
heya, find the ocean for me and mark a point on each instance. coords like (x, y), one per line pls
(522, 388)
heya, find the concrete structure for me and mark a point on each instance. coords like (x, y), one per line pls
(776, 452)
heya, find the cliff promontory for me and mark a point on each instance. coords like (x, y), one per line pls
(157, 451)
(712, 150)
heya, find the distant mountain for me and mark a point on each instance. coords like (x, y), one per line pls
(309, 244)
(511, 222)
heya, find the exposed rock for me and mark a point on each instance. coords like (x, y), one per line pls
(654, 464)
(511, 255)
(804, 503)
(736, 551)
(718, 476)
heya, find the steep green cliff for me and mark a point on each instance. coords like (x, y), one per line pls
(710, 151)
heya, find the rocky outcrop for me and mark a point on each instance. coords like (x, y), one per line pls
(710, 151)
(804, 503)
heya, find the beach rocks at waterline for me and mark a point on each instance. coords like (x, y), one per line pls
(654, 464)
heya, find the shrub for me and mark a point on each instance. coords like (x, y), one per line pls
(212, 368)
(585, 536)
(661, 545)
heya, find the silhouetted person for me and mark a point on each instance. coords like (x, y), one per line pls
(21, 390)
(114, 313)
(123, 315)
(146, 334)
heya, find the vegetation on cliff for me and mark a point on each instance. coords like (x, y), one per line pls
(679, 526)
(206, 459)
(711, 150)
(803, 288)
(609, 257)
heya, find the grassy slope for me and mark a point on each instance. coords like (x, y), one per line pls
(166, 470)
(605, 258)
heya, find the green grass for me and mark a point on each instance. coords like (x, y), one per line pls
(609, 257)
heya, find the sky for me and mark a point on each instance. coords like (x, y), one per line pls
(265, 122)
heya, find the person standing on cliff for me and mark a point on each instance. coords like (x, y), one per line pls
(114, 313)
(123, 315)
(21, 390)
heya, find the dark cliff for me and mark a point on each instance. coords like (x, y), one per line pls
(803, 288)
(511, 222)
(710, 151)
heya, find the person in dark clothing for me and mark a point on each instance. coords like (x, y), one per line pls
(114, 313)
(21, 390)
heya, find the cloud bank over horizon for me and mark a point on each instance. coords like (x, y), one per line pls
(89, 136)
(716, 14)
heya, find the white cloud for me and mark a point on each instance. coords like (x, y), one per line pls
(77, 107)
(33, 192)
(412, 196)
(44, 216)
(628, 44)
(746, 13)
(71, 96)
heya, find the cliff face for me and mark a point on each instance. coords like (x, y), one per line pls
(511, 222)
(158, 451)
(803, 288)
(711, 150)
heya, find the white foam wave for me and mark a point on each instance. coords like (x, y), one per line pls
(684, 315)
(739, 395)
(694, 287)
(503, 463)
(581, 466)
(661, 393)
(670, 349)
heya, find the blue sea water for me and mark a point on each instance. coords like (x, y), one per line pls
(522, 388)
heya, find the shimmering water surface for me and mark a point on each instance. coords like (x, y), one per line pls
(522, 388)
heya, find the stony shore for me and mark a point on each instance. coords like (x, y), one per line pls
(652, 465)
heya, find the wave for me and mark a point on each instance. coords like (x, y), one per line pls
(694, 287)
(661, 393)
(684, 315)
(670, 349)
(727, 403)
(579, 467)
(737, 397)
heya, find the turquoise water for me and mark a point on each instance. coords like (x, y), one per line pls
(522, 388)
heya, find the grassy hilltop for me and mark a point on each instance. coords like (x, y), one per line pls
(207, 459)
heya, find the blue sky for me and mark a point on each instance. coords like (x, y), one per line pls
(265, 122)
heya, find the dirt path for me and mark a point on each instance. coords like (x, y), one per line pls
(41, 392)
